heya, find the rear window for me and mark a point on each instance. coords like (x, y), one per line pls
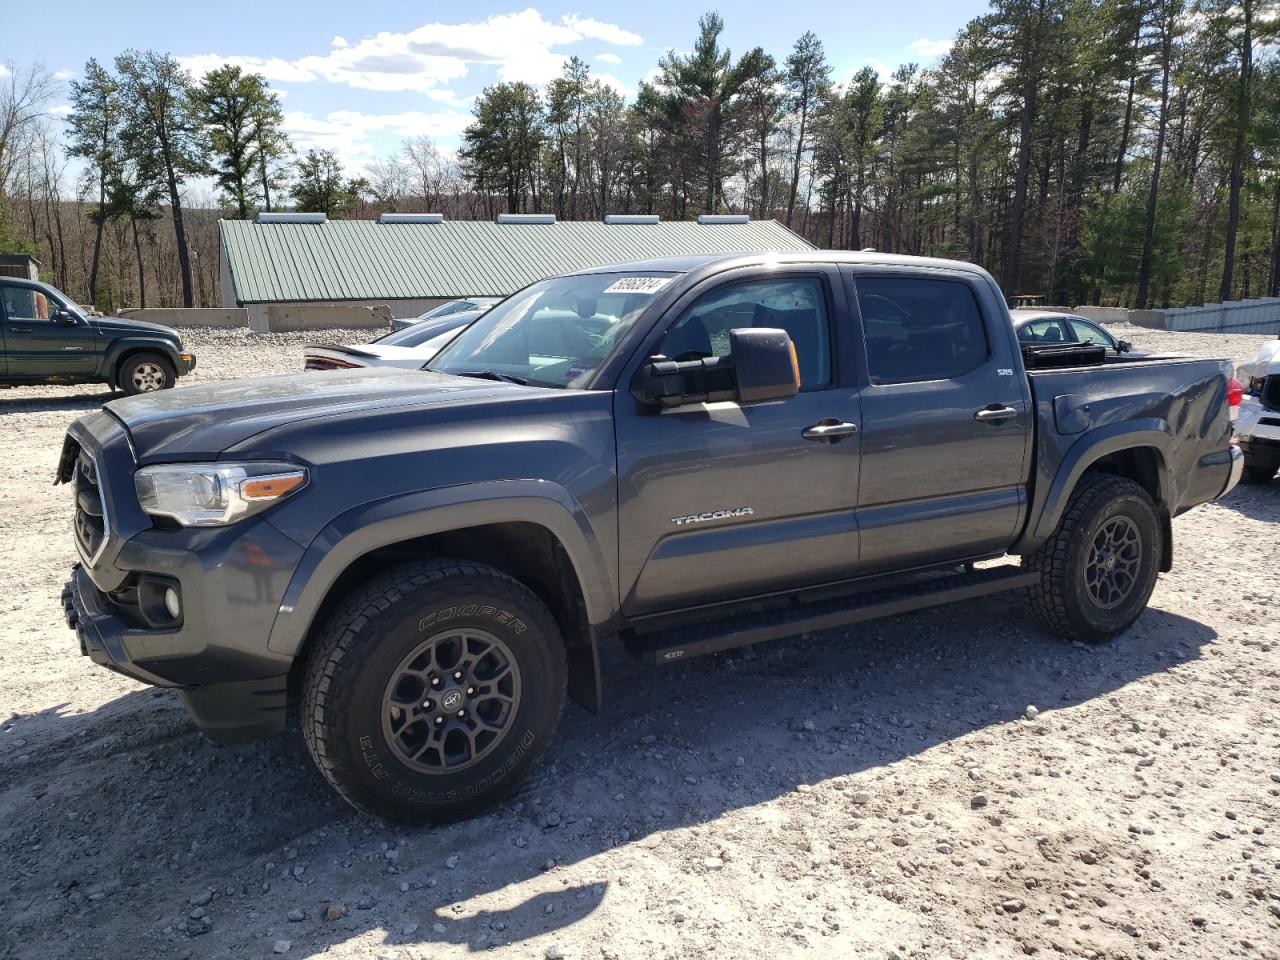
(920, 329)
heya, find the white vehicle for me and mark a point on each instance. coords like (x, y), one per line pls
(1258, 422)
(466, 304)
(408, 349)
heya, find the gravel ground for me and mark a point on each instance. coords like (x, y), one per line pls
(953, 783)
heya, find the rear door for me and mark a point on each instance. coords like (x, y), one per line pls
(946, 418)
(722, 500)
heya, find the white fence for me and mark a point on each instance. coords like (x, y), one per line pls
(1259, 315)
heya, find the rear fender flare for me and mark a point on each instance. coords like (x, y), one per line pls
(1083, 454)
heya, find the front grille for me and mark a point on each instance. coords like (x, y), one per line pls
(91, 525)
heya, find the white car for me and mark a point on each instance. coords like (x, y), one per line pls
(1258, 422)
(407, 349)
(466, 304)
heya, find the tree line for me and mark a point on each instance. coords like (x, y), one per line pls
(1089, 151)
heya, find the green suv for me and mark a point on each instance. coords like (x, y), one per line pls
(46, 338)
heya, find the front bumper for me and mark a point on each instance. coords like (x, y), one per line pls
(227, 710)
(186, 363)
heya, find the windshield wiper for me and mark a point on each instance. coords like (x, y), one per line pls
(491, 375)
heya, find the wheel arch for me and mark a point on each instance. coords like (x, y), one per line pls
(119, 352)
(1137, 451)
(538, 540)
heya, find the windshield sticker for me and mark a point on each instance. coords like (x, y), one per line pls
(645, 285)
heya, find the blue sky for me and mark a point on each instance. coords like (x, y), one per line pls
(358, 77)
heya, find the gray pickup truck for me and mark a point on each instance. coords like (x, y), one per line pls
(679, 456)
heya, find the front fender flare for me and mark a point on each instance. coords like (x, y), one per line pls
(132, 344)
(1080, 456)
(397, 519)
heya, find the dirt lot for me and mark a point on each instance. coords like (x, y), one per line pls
(949, 784)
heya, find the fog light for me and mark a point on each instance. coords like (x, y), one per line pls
(172, 603)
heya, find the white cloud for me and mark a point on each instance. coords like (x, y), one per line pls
(609, 57)
(347, 132)
(339, 41)
(273, 69)
(931, 48)
(64, 75)
(61, 110)
(523, 46)
(608, 32)
(4, 71)
(609, 80)
(885, 70)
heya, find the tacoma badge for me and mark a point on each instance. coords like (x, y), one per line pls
(713, 515)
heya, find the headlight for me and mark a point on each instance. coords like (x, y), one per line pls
(215, 494)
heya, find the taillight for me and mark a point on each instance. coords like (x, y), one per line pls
(1235, 394)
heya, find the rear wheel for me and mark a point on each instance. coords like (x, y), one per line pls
(433, 690)
(145, 373)
(1099, 568)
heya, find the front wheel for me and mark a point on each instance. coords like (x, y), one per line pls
(1099, 568)
(145, 373)
(433, 690)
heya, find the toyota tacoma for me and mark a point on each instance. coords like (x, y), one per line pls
(679, 456)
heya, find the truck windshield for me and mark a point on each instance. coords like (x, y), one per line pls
(555, 333)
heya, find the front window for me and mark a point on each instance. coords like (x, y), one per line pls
(555, 333)
(797, 305)
(31, 303)
(1086, 332)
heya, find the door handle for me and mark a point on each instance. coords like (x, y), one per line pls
(19, 329)
(830, 429)
(995, 413)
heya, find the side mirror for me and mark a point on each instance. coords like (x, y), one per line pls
(64, 317)
(1124, 346)
(765, 366)
(761, 366)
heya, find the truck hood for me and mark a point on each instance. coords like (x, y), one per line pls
(123, 326)
(200, 422)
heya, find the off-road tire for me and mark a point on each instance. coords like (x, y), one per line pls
(157, 368)
(365, 642)
(1062, 599)
(1259, 471)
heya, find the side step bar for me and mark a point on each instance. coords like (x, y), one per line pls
(738, 631)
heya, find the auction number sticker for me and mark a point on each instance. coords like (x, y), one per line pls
(646, 285)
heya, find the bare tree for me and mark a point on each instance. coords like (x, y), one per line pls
(24, 96)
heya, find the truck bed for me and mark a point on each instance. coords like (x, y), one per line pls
(1176, 405)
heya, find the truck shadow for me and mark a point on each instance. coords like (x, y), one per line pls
(44, 400)
(154, 813)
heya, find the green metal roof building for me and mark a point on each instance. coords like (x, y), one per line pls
(280, 264)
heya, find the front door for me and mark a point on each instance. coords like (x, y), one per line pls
(946, 424)
(723, 500)
(36, 345)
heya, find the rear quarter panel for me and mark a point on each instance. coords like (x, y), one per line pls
(1178, 407)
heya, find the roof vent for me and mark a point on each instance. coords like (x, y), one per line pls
(623, 218)
(716, 219)
(526, 218)
(411, 218)
(290, 218)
